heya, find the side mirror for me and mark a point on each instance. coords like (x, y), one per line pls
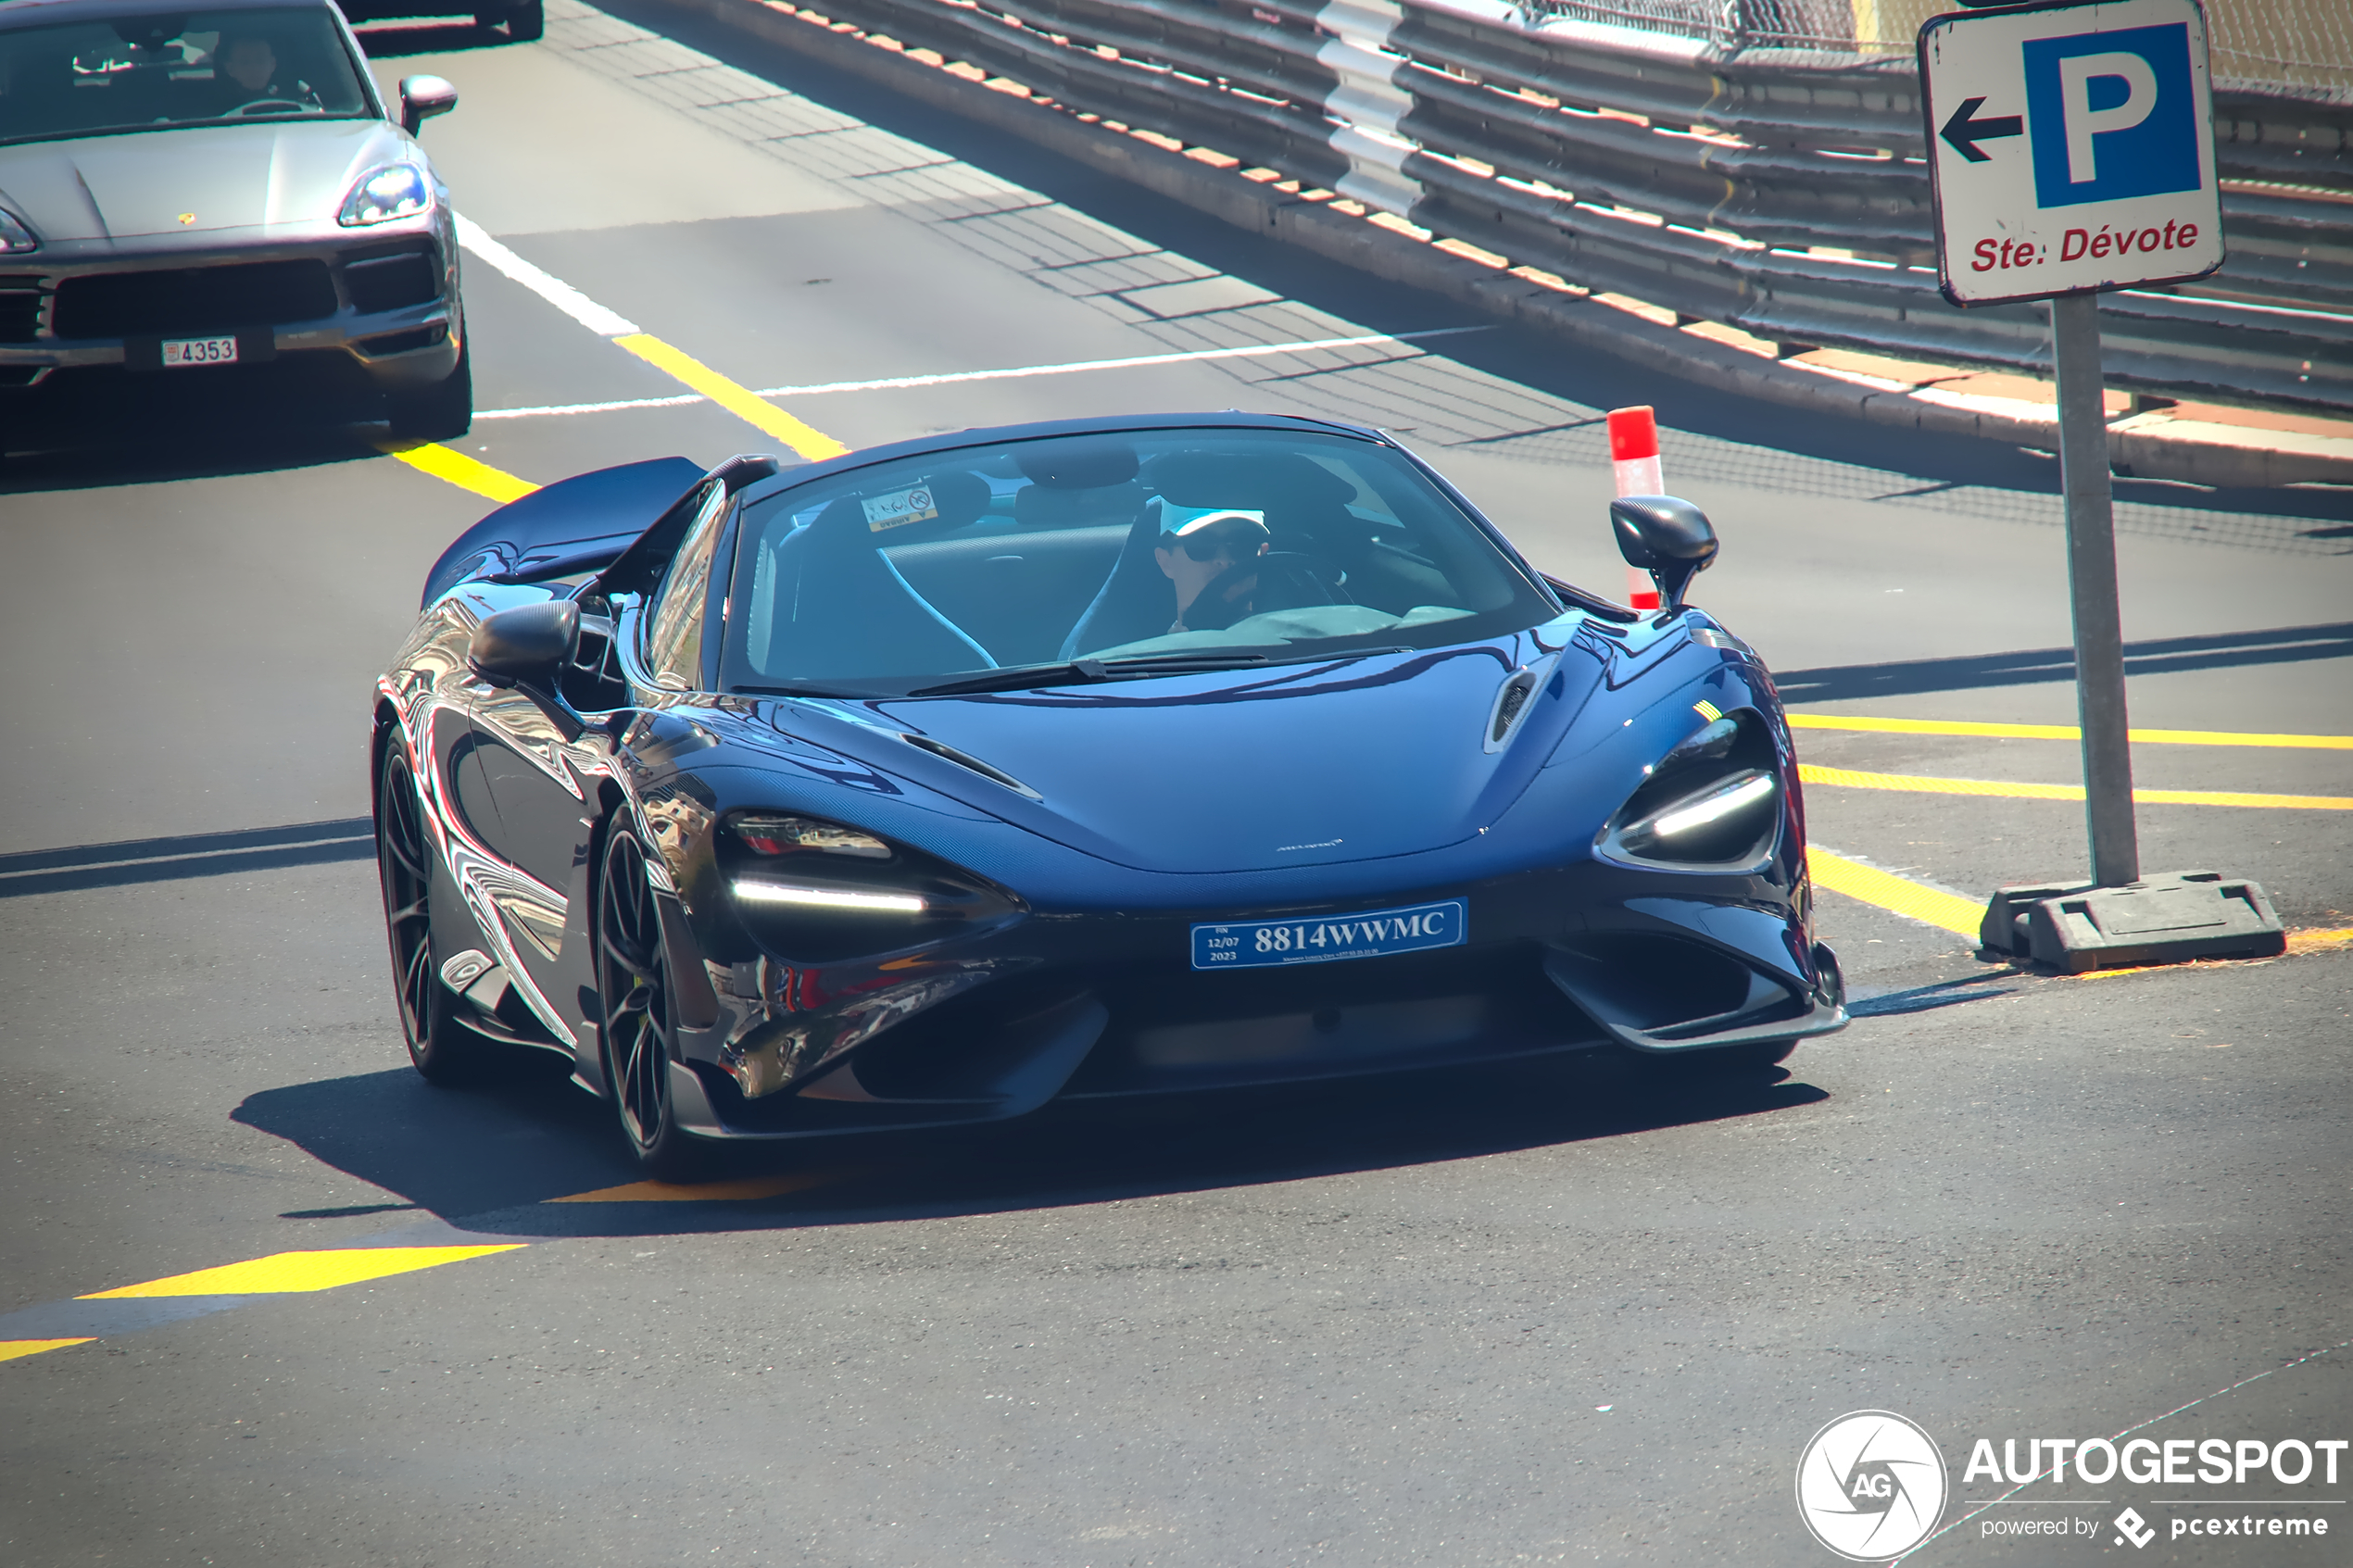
(1670, 539)
(527, 646)
(422, 97)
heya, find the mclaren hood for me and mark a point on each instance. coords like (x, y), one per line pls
(198, 180)
(1270, 769)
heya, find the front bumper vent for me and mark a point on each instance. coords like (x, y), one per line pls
(194, 299)
(20, 301)
(389, 282)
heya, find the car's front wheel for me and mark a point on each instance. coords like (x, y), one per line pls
(442, 1048)
(640, 1028)
(443, 411)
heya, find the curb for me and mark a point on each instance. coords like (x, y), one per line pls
(1585, 321)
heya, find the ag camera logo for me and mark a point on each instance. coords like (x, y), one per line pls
(1872, 1486)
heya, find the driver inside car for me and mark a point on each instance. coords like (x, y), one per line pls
(1209, 555)
(247, 68)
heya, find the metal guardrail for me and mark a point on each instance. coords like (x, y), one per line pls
(1779, 190)
(2302, 46)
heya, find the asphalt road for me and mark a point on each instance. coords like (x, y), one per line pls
(1555, 1313)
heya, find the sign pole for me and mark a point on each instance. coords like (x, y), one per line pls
(2091, 578)
(2070, 149)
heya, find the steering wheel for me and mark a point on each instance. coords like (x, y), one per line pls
(1294, 580)
(1285, 580)
(263, 105)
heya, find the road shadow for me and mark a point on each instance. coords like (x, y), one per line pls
(1591, 377)
(123, 862)
(448, 36)
(2155, 656)
(202, 440)
(490, 1159)
(1942, 994)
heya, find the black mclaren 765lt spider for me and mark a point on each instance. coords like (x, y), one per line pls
(933, 782)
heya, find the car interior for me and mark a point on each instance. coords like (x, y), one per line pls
(152, 72)
(1027, 559)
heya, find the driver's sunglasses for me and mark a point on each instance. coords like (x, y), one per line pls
(1234, 544)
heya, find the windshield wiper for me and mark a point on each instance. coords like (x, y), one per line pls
(1091, 669)
(1088, 671)
(747, 689)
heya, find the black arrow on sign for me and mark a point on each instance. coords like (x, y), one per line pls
(1965, 133)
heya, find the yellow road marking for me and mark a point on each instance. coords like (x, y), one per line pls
(467, 473)
(1845, 778)
(303, 1271)
(695, 1192)
(11, 1349)
(2320, 941)
(1932, 906)
(2060, 731)
(741, 401)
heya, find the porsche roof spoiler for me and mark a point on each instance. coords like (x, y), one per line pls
(578, 524)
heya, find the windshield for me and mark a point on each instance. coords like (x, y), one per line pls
(174, 68)
(1163, 546)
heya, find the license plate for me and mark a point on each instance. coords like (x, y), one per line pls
(1257, 942)
(178, 351)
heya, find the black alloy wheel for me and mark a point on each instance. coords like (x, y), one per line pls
(640, 1029)
(441, 1048)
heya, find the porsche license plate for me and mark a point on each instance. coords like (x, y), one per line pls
(1256, 942)
(179, 351)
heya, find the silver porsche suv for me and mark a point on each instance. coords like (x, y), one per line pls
(216, 198)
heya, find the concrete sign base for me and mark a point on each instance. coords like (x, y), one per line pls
(2076, 927)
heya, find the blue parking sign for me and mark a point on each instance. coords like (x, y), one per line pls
(2111, 115)
(2070, 148)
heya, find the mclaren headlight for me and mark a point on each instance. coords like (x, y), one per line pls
(16, 236)
(812, 891)
(1713, 802)
(397, 190)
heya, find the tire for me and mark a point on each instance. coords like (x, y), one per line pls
(639, 1028)
(440, 1048)
(443, 411)
(527, 21)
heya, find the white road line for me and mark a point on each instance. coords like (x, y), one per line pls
(1253, 351)
(897, 382)
(554, 290)
(678, 402)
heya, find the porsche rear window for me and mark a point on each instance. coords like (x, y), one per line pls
(168, 69)
(1145, 544)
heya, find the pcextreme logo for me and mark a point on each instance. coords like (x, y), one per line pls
(1872, 1486)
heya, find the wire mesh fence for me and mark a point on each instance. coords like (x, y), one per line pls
(2304, 47)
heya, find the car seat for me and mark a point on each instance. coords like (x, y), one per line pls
(842, 611)
(1136, 601)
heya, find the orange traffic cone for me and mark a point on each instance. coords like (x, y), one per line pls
(1633, 455)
